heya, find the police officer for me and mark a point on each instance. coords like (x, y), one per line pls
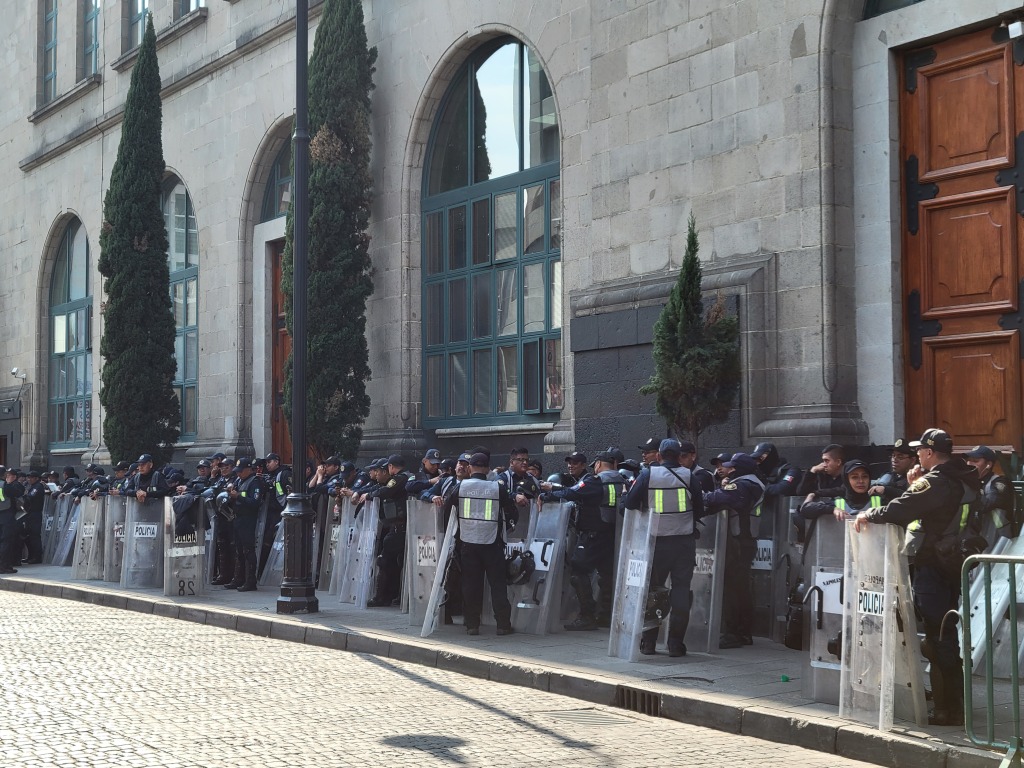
(597, 497)
(428, 475)
(649, 452)
(391, 556)
(223, 530)
(740, 495)
(779, 476)
(148, 483)
(32, 524)
(995, 508)
(10, 539)
(246, 497)
(935, 499)
(894, 483)
(720, 472)
(668, 491)
(705, 481)
(484, 508)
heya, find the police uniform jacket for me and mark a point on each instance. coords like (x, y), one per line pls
(668, 491)
(894, 485)
(154, 484)
(421, 482)
(850, 502)
(322, 487)
(782, 481)
(483, 507)
(251, 493)
(8, 493)
(821, 484)
(997, 500)
(705, 480)
(35, 497)
(393, 491)
(934, 499)
(741, 495)
(587, 494)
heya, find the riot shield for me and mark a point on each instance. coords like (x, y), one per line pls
(535, 604)
(823, 609)
(435, 604)
(705, 627)
(632, 578)
(66, 543)
(881, 676)
(51, 537)
(184, 557)
(422, 540)
(49, 518)
(321, 521)
(273, 571)
(113, 538)
(345, 547)
(516, 538)
(329, 556)
(88, 557)
(357, 581)
(762, 569)
(786, 569)
(261, 528)
(143, 544)
(209, 540)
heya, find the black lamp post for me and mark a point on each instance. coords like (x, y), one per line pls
(298, 593)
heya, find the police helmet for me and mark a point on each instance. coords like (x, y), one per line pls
(657, 607)
(520, 565)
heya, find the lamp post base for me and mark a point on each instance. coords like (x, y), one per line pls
(298, 592)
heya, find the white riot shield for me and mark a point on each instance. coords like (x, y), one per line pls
(143, 545)
(321, 525)
(422, 542)
(515, 541)
(273, 571)
(632, 578)
(209, 540)
(705, 627)
(786, 569)
(113, 538)
(61, 512)
(823, 609)
(762, 569)
(88, 557)
(437, 590)
(345, 547)
(357, 581)
(184, 558)
(881, 676)
(49, 518)
(64, 550)
(329, 556)
(535, 604)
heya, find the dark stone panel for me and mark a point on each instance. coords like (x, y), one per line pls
(617, 329)
(589, 400)
(636, 364)
(596, 367)
(585, 334)
(645, 320)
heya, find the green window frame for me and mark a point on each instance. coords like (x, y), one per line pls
(185, 7)
(137, 10)
(49, 50)
(183, 264)
(878, 7)
(69, 403)
(278, 194)
(90, 37)
(491, 246)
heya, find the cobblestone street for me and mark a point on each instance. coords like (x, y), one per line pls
(86, 685)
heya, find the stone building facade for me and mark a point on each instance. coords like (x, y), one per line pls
(777, 124)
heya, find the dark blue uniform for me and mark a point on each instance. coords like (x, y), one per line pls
(10, 537)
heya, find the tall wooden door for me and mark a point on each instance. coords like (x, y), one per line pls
(962, 154)
(282, 347)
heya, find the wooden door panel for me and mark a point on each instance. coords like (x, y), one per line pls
(961, 367)
(961, 124)
(971, 242)
(967, 110)
(280, 428)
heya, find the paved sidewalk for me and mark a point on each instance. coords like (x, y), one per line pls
(755, 691)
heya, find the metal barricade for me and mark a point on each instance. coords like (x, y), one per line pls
(1011, 569)
(88, 557)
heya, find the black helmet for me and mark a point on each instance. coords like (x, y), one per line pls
(657, 608)
(519, 566)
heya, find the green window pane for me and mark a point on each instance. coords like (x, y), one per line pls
(554, 398)
(482, 306)
(434, 310)
(457, 237)
(496, 136)
(531, 376)
(435, 386)
(481, 231)
(534, 297)
(508, 302)
(540, 121)
(449, 158)
(508, 379)
(556, 214)
(191, 296)
(178, 303)
(60, 334)
(433, 239)
(534, 219)
(457, 309)
(482, 381)
(505, 226)
(556, 295)
(457, 384)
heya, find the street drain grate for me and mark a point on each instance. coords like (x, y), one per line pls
(636, 700)
(588, 717)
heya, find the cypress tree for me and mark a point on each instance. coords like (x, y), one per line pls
(340, 274)
(141, 412)
(696, 354)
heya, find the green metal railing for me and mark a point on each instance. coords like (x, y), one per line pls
(1013, 747)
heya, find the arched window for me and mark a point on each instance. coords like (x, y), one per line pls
(183, 262)
(491, 240)
(278, 194)
(70, 403)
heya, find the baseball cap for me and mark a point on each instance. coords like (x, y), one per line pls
(607, 456)
(332, 460)
(670, 445)
(396, 460)
(982, 452)
(721, 458)
(651, 444)
(94, 468)
(34, 473)
(244, 462)
(11, 471)
(433, 456)
(743, 462)
(616, 452)
(576, 458)
(203, 463)
(935, 439)
(272, 457)
(853, 464)
(466, 457)
(144, 458)
(902, 446)
(448, 464)
(125, 465)
(218, 456)
(479, 460)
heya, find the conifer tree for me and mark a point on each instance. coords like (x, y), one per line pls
(141, 413)
(340, 274)
(696, 354)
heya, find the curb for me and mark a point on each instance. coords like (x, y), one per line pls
(709, 710)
